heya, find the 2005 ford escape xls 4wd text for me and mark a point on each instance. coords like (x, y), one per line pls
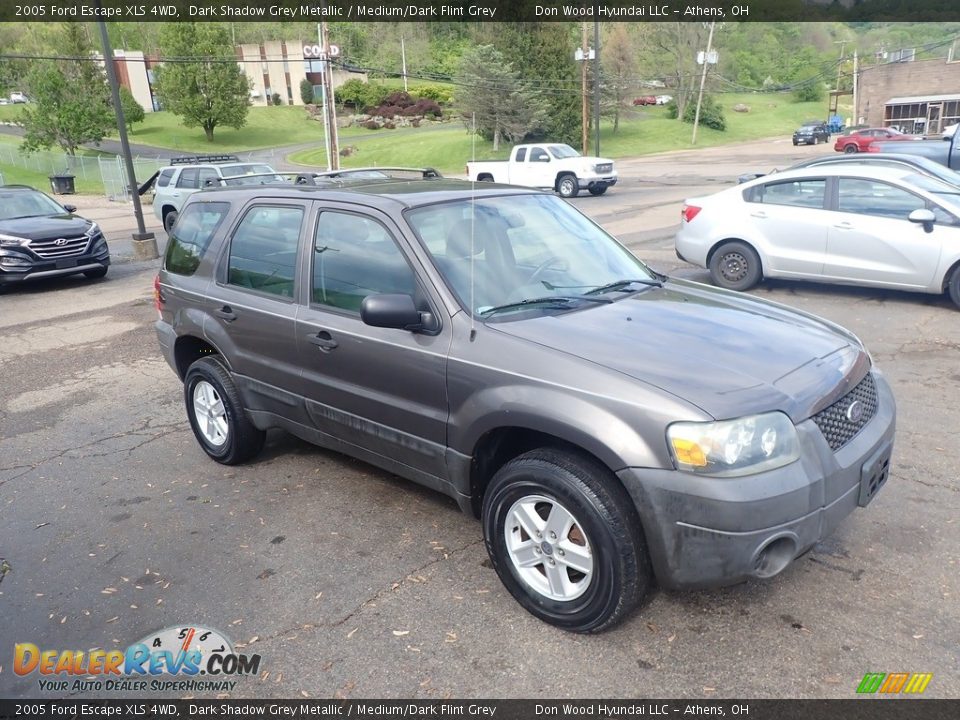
(609, 425)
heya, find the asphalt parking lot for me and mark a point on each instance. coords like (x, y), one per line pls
(352, 583)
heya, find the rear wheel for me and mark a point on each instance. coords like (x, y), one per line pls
(169, 219)
(735, 266)
(850, 148)
(598, 190)
(216, 413)
(565, 539)
(567, 185)
(953, 286)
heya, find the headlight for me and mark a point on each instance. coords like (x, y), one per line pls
(729, 448)
(92, 230)
(12, 240)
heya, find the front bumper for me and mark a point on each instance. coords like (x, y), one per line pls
(586, 183)
(706, 532)
(37, 269)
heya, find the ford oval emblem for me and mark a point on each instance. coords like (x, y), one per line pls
(855, 411)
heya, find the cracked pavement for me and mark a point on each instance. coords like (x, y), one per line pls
(352, 583)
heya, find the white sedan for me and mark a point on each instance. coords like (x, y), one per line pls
(852, 225)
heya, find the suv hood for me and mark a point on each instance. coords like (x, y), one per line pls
(46, 227)
(730, 355)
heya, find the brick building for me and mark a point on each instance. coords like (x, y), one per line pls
(921, 96)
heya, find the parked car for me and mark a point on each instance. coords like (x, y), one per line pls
(18, 98)
(811, 133)
(549, 166)
(646, 100)
(947, 154)
(663, 99)
(608, 424)
(915, 163)
(860, 140)
(871, 226)
(40, 238)
(172, 185)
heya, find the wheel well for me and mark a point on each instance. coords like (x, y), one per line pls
(497, 447)
(556, 181)
(188, 350)
(484, 177)
(167, 209)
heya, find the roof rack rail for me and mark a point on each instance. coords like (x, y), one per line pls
(273, 178)
(424, 172)
(197, 159)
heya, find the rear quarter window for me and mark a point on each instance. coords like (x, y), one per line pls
(191, 236)
(164, 178)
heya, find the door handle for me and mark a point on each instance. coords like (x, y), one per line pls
(843, 226)
(226, 313)
(761, 215)
(323, 340)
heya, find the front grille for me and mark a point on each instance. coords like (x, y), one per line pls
(50, 250)
(604, 167)
(835, 422)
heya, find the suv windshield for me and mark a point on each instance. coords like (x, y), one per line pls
(504, 250)
(20, 203)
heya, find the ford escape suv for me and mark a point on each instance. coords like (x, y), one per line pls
(609, 425)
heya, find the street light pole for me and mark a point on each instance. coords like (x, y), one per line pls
(144, 243)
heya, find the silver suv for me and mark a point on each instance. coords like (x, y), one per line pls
(608, 424)
(184, 176)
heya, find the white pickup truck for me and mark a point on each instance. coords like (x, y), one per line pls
(548, 165)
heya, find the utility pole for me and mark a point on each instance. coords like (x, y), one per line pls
(596, 85)
(334, 157)
(403, 60)
(703, 81)
(842, 44)
(323, 97)
(144, 243)
(585, 120)
(856, 89)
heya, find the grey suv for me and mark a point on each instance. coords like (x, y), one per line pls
(609, 425)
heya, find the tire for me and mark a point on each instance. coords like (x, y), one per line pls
(597, 191)
(168, 220)
(953, 286)
(548, 486)
(735, 266)
(850, 149)
(98, 273)
(816, 140)
(795, 143)
(485, 178)
(567, 185)
(226, 433)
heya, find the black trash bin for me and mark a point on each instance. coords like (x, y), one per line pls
(62, 184)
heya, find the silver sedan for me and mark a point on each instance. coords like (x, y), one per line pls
(852, 225)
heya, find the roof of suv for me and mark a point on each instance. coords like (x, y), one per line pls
(376, 192)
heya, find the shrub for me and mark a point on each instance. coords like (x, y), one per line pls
(440, 93)
(811, 92)
(711, 114)
(398, 99)
(306, 91)
(360, 95)
(275, 99)
(670, 110)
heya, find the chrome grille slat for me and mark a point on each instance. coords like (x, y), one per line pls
(49, 250)
(833, 422)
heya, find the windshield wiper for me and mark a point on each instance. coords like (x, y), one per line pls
(558, 301)
(620, 284)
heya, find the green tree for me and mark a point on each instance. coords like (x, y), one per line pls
(619, 67)
(306, 91)
(132, 110)
(69, 99)
(495, 100)
(203, 85)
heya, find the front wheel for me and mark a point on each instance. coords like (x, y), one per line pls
(567, 186)
(216, 413)
(735, 266)
(953, 287)
(850, 149)
(598, 190)
(565, 539)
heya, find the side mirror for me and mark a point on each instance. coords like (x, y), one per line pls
(924, 217)
(70, 208)
(392, 311)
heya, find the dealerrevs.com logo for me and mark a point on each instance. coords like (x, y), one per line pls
(179, 658)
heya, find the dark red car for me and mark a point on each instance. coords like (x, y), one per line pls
(645, 100)
(859, 140)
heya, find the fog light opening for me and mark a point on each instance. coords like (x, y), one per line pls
(773, 557)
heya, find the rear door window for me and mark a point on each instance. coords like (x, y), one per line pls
(796, 193)
(192, 234)
(189, 178)
(263, 250)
